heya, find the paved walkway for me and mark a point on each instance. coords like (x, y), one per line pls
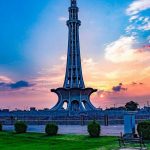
(73, 129)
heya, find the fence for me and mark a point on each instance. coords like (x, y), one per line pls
(103, 120)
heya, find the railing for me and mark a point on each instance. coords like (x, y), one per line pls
(105, 119)
(105, 122)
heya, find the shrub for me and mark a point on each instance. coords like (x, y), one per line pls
(144, 129)
(94, 129)
(1, 127)
(20, 127)
(51, 129)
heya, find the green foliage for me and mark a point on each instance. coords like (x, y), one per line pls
(20, 127)
(51, 129)
(1, 127)
(143, 129)
(94, 129)
(131, 106)
(38, 141)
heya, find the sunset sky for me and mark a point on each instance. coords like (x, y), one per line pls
(115, 51)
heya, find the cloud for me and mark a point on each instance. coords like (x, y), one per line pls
(145, 27)
(62, 18)
(133, 18)
(130, 28)
(129, 47)
(138, 20)
(138, 6)
(17, 85)
(141, 83)
(140, 23)
(118, 88)
(123, 50)
(136, 83)
(20, 84)
(89, 62)
(120, 50)
(5, 79)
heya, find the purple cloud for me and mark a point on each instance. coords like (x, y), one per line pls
(118, 88)
(16, 85)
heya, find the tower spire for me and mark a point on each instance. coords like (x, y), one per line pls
(73, 77)
(73, 2)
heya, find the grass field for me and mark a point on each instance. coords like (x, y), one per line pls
(35, 141)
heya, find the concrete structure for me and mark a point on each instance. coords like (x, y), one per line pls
(129, 122)
(73, 94)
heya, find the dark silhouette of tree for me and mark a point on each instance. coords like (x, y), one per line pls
(131, 106)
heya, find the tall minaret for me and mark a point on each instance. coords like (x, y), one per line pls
(73, 77)
(73, 93)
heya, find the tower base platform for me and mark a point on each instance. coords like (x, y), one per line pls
(76, 101)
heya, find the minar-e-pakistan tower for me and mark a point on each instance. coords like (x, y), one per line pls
(73, 93)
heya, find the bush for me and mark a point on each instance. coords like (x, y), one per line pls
(144, 129)
(94, 129)
(51, 129)
(20, 127)
(1, 127)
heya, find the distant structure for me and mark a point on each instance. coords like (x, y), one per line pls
(73, 94)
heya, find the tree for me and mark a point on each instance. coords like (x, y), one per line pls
(131, 106)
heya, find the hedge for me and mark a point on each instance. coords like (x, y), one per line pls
(51, 129)
(94, 129)
(143, 129)
(20, 127)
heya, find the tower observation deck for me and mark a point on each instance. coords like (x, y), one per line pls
(73, 91)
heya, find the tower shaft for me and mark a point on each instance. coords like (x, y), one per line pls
(73, 77)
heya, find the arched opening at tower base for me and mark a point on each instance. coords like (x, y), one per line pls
(86, 105)
(65, 105)
(75, 106)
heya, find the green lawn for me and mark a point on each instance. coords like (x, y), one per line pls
(35, 141)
